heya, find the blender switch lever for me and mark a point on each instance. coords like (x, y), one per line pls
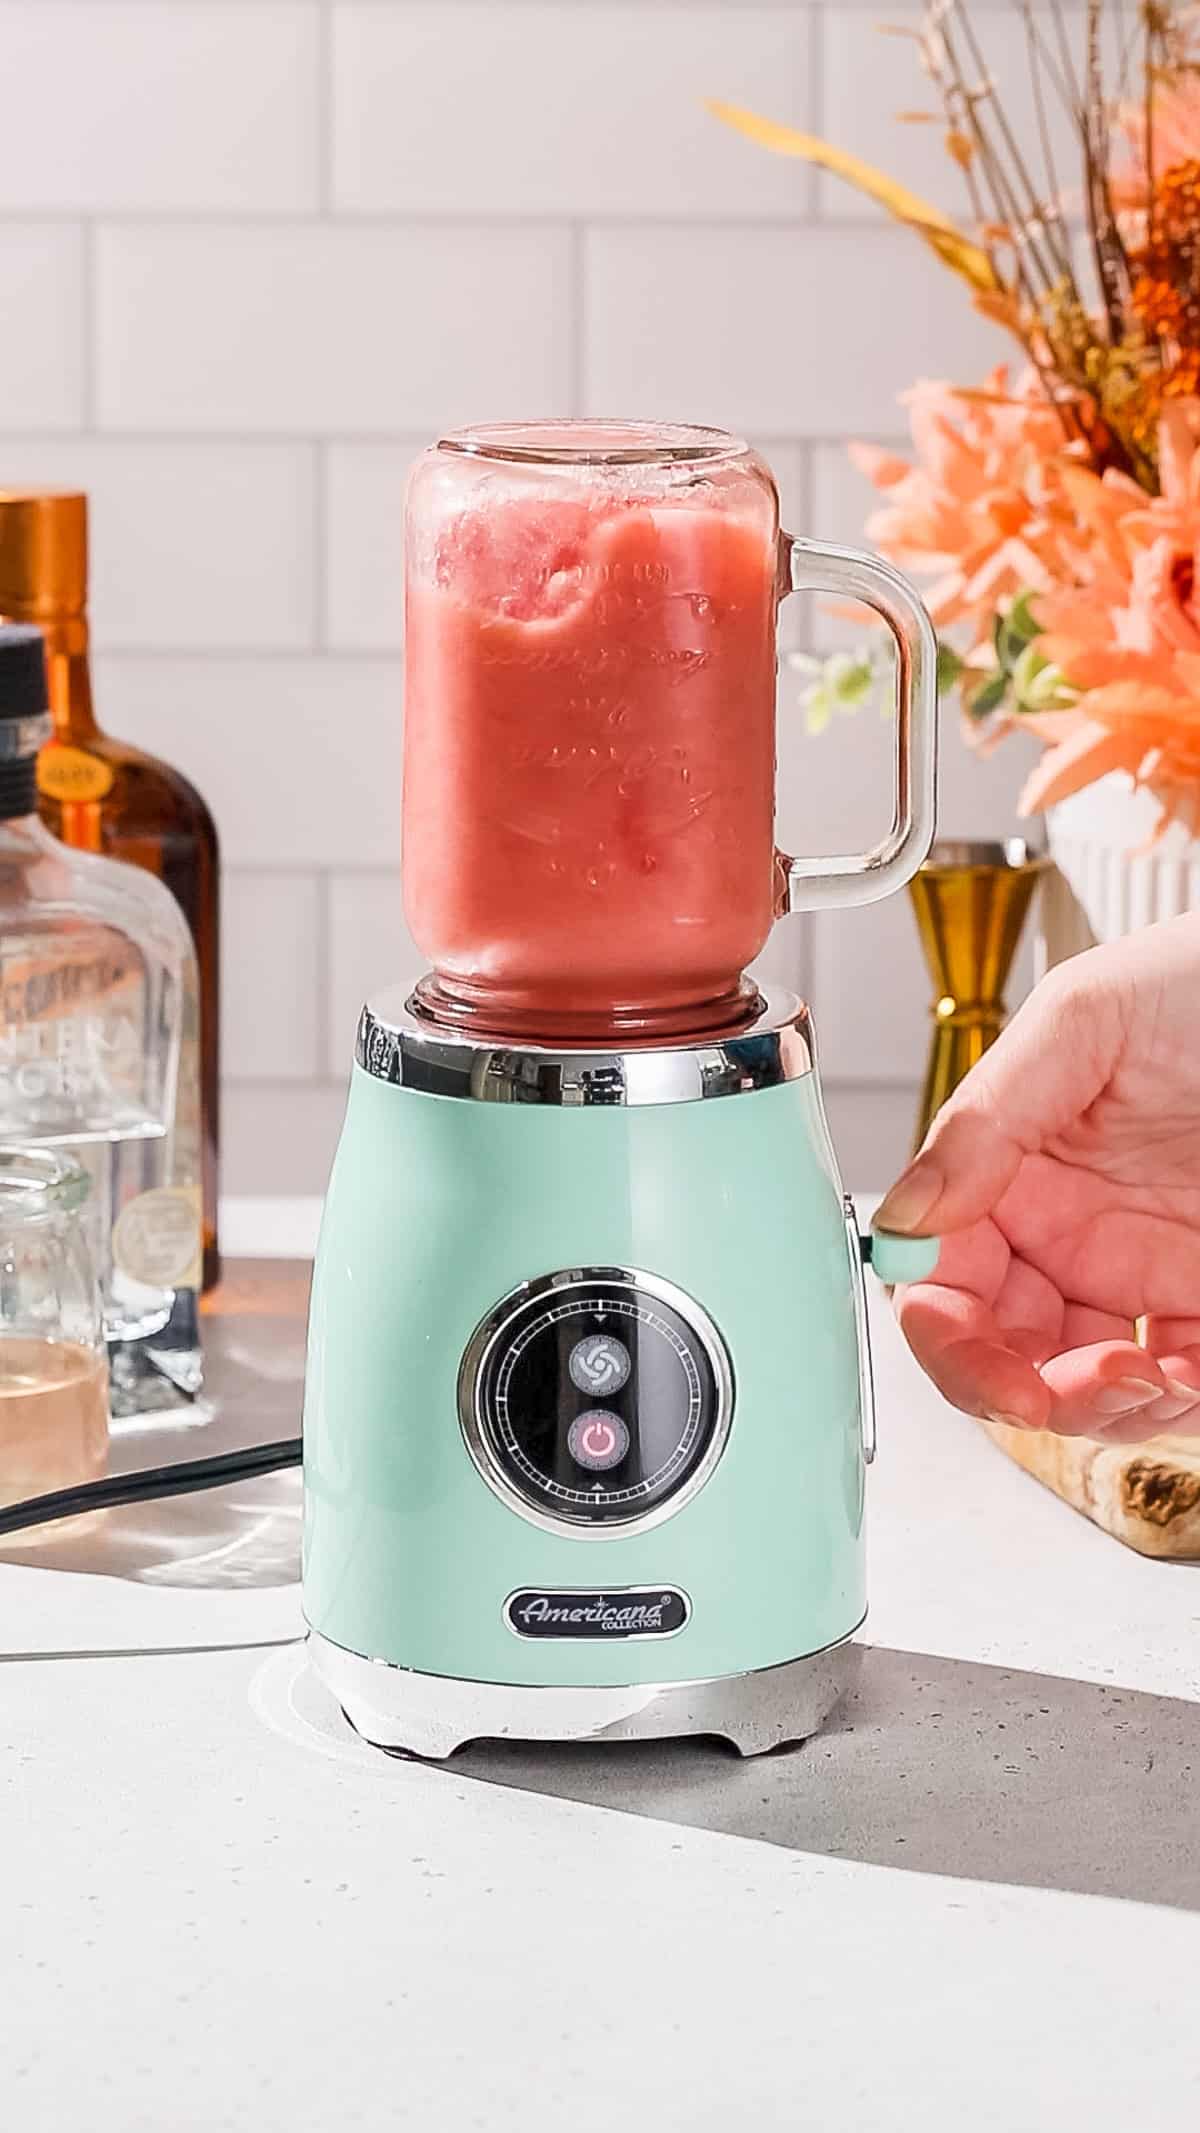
(897, 1260)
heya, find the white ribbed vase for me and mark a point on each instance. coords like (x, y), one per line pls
(1104, 883)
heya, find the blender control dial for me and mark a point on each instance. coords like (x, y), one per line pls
(596, 1398)
(599, 1364)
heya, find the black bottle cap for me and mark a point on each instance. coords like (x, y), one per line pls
(24, 716)
(22, 672)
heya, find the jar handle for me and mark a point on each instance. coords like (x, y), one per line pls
(862, 877)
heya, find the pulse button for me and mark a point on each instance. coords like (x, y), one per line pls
(600, 1364)
(597, 1440)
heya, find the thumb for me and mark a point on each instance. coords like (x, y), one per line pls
(1052, 1061)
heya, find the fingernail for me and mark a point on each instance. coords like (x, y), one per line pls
(911, 1197)
(997, 1414)
(1126, 1396)
(1182, 1391)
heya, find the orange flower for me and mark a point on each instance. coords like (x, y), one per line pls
(1125, 631)
(1166, 290)
(982, 512)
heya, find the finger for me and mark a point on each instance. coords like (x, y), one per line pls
(1181, 1369)
(958, 1343)
(1049, 1065)
(1102, 1371)
(1096, 1389)
(978, 1259)
(1166, 1335)
(1178, 1414)
(1147, 1428)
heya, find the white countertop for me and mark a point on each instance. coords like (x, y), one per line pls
(224, 1911)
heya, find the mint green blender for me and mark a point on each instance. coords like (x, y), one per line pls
(589, 1407)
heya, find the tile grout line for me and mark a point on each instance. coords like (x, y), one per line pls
(388, 655)
(284, 1084)
(324, 102)
(577, 316)
(311, 870)
(319, 560)
(323, 969)
(816, 107)
(267, 222)
(88, 323)
(410, 440)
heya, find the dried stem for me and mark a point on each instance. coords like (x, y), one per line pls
(1102, 224)
(1034, 213)
(1038, 70)
(1074, 96)
(1040, 268)
(1148, 59)
(1100, 366)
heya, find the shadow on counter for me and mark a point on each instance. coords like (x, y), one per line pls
(939, 1766)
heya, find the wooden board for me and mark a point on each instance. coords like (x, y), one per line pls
(1146, 1495)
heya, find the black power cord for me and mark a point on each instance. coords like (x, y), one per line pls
(180, 1480)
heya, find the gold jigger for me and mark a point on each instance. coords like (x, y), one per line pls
(971, 902)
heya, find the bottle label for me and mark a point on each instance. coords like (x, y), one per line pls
(72, 1030)
(66, 773)
(156, 1238)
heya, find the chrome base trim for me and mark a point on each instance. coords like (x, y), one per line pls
(431, 1715)
(396, 1044)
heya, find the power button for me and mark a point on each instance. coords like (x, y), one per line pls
(597, 1440)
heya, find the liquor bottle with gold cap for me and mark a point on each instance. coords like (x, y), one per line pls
(97, 981)
(102, 795)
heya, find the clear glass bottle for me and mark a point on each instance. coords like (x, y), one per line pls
(97, 981)
(53, 1366)
(102, 795)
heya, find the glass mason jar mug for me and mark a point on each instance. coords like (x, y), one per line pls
(589, 755)
(53, 1360)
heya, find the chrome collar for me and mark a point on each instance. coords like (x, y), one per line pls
(398, 1045)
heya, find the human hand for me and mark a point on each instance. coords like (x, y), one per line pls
(1064, 1177)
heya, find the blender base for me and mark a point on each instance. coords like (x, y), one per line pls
(432, 1715)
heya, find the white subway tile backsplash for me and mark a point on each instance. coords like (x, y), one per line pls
(272, 1005)
(364, 545)
(255, 253)
(370, 951)
(580, 110)
(788, 462)
(872, 1131)
(871, 993)
(316, 326)
(116, 105)
(299, 759)
(42, 381)
(208, 546)
(279, 1139)
(843, 499)
(804, 331)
